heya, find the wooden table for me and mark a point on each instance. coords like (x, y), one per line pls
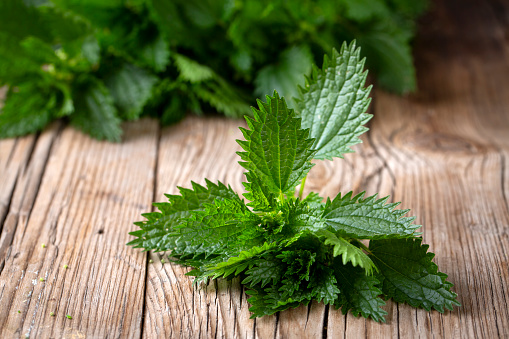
(444, 152)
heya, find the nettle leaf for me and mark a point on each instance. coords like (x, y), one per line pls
(334, 101)
(16, 64)
(324, 285)
(263, 272)
(224, 97)
(154, 233)
(156, 54)
(209, 87)
(244, 260)
(388, 49)
(27, 110)
(91, 50)
(191, 70)
(347, 251)
(95, 112)
(277, 152)
(261, 196)
(131, 87)
(314, 200)
(361, 293)
(369, 218)
(39, 51)
(215, 230)
(21, 20)
(301, 217)
(286, 75)
(409, 275)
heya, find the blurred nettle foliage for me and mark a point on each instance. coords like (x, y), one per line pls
(98, 62)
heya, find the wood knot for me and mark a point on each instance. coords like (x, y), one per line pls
(440, 142)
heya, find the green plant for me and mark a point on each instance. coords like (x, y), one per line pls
(97, 63)
(291, 249)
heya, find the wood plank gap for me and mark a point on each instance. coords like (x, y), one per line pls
(147, 257)
(325, 322)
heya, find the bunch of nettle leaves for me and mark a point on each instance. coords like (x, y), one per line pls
(290, 250)
(96, 63)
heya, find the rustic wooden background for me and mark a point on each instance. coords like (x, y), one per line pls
(444, 152)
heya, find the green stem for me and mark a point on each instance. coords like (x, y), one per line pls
(301, 190)
(281, 196)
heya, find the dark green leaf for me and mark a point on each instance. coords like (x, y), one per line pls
(130, 87)
(154, 233)
(361, 293)
(389, 51)
(409, 275)
(276, 151)
(287, 74)
(156, 54)
(369, 218)
(95, 113)
(27, 110)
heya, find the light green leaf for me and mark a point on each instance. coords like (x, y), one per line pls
(368, 218)
(333, 103)
(347, 251)
(191, 70)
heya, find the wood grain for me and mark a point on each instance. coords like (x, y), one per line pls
(443, 151)
(89, 195)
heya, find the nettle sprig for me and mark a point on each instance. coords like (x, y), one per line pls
(288, 249)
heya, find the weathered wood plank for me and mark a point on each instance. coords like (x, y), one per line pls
(22, 170)
(14, 155)
(195, 149)
(89, 195)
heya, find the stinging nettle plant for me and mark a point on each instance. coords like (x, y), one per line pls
(290, 250)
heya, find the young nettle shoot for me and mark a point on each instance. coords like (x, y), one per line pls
(68, 316)
(65, 266)
(290, 249)
(52, 314)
